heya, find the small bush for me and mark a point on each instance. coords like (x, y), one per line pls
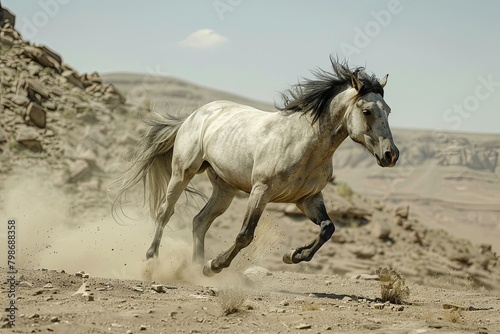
(392, 286)
(231, 299)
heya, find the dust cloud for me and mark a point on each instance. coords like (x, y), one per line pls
(50, 236)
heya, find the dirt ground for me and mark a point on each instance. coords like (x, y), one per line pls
(271, 302)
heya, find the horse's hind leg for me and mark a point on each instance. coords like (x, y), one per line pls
(314, 208)
(221, 198)
(178, 183)
(256, 204)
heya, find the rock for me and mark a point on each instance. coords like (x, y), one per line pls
(256, 272)
(84, 289)
(380, 225)
(303, 326)
(364, 252)
(3, 135)
(158, 288)
(41, 57)
(73, 78)
(51, 53)
(7, 17)
(54, 319)
(143, 327)
(379, 306)
(77, 169)
(37, 114)
(28, 137)
(48, 286)
(403, 211)
(6, 39)
(366, 277)
(37, 92)
(20, 100)
(138, 289)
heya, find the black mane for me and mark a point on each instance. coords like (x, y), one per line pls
(314, 95)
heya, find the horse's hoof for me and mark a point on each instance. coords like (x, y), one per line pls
(207, 269)
(288, 257)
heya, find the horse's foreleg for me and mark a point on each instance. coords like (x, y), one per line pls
(221, 198)
(314, 208)
(256, 204)
(175, 188)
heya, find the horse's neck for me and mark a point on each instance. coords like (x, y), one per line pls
(332, 126)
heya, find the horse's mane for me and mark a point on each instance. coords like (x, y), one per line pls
(314, 95)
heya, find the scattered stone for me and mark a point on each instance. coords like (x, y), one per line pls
(380, 226)
(366, 277)
(158, 288)
(256, 272)
(303, 326)
(365, 252)
(284, 303)
(28, 137)
(403, 211)
(36, 114)
(138, 288)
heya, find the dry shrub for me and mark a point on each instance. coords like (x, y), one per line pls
(344, 190)
(231, 299)
(453, 315)
(392, 286)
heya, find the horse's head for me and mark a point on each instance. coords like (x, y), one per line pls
(367, 121)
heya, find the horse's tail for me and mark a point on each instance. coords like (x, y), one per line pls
(151, 163)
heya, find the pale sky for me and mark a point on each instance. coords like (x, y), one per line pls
(442, 56)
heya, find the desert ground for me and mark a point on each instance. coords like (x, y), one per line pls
(64, 136)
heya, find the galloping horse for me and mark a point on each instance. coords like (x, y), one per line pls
(283, 156)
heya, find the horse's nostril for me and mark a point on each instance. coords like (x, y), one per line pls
(388, 155)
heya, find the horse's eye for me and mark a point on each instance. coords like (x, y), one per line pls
(367, 112)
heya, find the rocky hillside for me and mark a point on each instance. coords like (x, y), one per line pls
(53, 117)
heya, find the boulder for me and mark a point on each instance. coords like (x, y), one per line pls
(36, 90)
(43, 58)
(6, 16)
(73, 78)
(28, 137)
(37, 114)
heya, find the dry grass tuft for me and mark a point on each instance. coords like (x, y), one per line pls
(231, 299)
(344, 190)
(392, 286)
(453, 315)
(310, 307)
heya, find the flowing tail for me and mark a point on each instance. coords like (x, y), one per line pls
(151, 163)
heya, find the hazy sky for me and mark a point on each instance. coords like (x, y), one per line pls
(442, 56)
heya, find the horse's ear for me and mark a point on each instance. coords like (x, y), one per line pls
(383, 81)
(355, 82)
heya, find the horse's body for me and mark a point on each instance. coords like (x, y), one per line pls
(281, 156)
